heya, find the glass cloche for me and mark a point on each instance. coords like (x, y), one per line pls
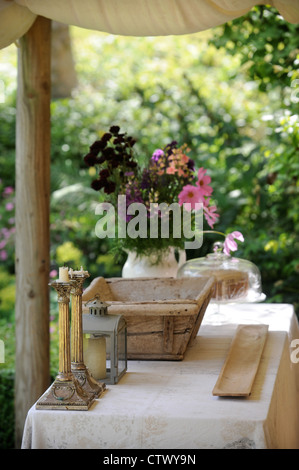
(236, 280)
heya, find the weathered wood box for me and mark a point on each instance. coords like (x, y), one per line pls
(163, 314)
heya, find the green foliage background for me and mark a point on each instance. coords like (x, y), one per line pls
(230, 93)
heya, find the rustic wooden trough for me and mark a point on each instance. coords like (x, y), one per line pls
(163, 314)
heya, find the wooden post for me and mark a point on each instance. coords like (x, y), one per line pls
(32, 219)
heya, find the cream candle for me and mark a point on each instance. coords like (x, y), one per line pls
(82, 271)
(94, 353)
(64, 274)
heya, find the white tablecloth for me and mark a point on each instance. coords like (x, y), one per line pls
(169, 405)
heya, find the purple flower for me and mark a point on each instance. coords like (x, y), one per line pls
(133, 194)
(191, 164)
(146, 180)
(169, 147)
(158, 153)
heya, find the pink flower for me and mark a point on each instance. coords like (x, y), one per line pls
(230, 244)
(184, 158)
(190, 194)
(210, 215)
(171, 170)
(53, 273)
(5, 232)
(203, 182)
(9, 206)
(3, 255)
(181, 172)
(8, 190)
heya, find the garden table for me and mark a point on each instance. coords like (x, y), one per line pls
(170, 405)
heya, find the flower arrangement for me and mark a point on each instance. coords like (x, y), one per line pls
(169, 177)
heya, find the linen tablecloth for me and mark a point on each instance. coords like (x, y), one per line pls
(169, 405)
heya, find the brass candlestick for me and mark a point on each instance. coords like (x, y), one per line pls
(65, 393)
(79, 370)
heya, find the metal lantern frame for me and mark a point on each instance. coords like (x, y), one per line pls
(99, 323)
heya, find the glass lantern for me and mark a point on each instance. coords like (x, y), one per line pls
(236, 280)
(104, 343)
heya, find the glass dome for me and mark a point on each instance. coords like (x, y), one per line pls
(236, 280)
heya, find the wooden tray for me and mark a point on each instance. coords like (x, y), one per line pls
(163, 315)
(240, 367)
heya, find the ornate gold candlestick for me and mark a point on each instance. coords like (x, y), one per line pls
(65, 393)
(79, 370)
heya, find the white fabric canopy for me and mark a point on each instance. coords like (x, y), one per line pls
(131, 17)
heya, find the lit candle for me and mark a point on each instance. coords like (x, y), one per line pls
(94, 350)
(64, 274)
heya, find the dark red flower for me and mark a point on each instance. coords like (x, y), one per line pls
(131, 164)
(109, 187)
(97, 146)
(90, 159)
(104, 173)
(106, 137)
(118, 140)
(101, 159)
(131, 141)
(114, 130)
(97, 184)
(114, 163)
(108, 152)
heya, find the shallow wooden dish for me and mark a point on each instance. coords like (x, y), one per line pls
(163, 314)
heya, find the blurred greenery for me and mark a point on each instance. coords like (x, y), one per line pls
(230, 93)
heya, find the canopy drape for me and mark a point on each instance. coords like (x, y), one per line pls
(131, 17)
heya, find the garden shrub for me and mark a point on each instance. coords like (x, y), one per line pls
(7, 432)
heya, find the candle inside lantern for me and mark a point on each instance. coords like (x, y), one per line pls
(64, 274)
(94, 350)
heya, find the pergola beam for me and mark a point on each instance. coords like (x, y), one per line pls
(32, 219)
